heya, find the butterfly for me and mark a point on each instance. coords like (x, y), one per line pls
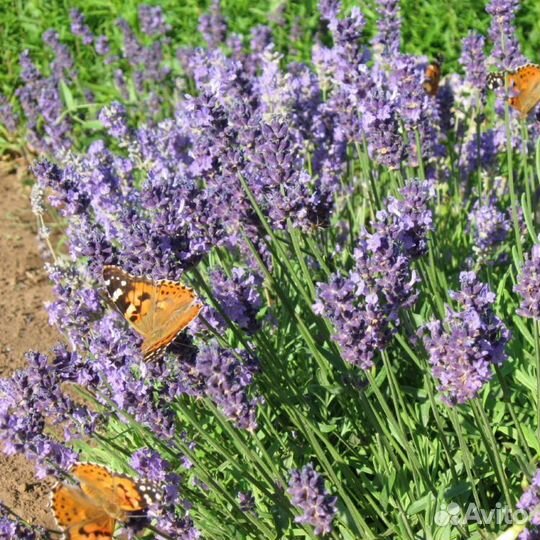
(524, 83)
(157, 310)
(91, 509)
(432, 77)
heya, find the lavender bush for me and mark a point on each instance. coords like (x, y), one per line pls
(368, 351)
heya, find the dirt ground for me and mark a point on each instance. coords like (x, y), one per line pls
(24, 289)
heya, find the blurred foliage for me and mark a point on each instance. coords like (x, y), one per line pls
(430, 27)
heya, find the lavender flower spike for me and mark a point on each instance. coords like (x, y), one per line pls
(506, 50)
(530, 503)
(307, 491)
(463, 348)
(528, 286)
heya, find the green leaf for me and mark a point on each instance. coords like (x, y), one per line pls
(67, 96)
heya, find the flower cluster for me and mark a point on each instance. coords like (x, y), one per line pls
(48, 129)
(364, 306)
(33, 397)
(529, 502)
(239, 298)
(528, 285)
(161, 195)
(164, 495)
(227, 381)
(152, 20)
(80, 28)
(490, 227)
(8, 117)
(11, 529)
(473, 60)
(463, 348)
(308, 494)
(506, 52)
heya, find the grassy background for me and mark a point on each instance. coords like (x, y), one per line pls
(429, 26)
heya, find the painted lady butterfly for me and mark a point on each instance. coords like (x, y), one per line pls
(157, 310)
(90, 510)
(432, 77)
(524, 84)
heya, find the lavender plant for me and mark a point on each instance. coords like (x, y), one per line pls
(324, 213)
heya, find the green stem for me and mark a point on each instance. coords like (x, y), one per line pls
(537, 358)
(491, 448)
(467, 459)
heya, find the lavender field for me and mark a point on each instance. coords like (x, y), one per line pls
(295, 271)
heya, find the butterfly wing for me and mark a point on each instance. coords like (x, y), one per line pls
(495, 80)
(79, 517)
(432, 79)
(133, 297)
(158, 310)
(175, 308)
(98, 483)
(526, 82)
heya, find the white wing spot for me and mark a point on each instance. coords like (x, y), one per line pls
(117, 294)
(123, 283)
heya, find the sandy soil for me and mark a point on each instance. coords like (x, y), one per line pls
(24, 289)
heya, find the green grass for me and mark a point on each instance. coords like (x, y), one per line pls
(430, 27)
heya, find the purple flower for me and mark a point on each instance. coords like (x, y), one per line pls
(114, 118)
(364, 305)
(213, 25)
(506, 51)
(308, 494)
(227, 380)
(33, 399)
(284, 188)
(101, 44)
(246, 501)
(63, 65)
(239, 297)
(388, 37)
(473, 60)
(8, 117)
(152, 20)
(463, 347)
(14, 529)
(66, 184)
(132, 46)
(529, 502)
(490, 229)
(164, 497)
(528, 285)
(380, 122)
(48, 128)
(261, 38)
(79, 27)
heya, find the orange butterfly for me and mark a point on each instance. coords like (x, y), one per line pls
(432, 77)
(157, 310)
(524, 83)
(90, 510)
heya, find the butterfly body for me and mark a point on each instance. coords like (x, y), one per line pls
(158, 310)
(524, 83)
(91, 509)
